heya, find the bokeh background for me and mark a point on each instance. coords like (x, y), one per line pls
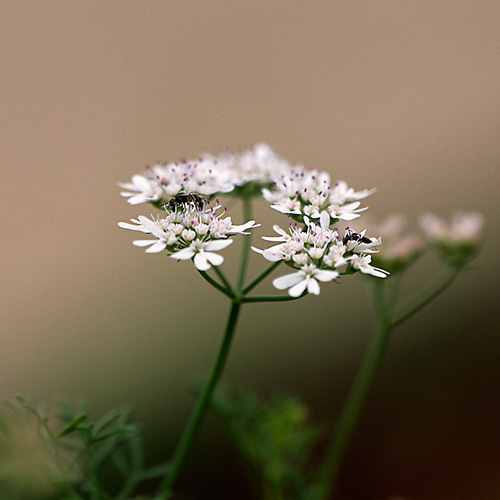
(402, 96)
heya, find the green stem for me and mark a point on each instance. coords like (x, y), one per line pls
(214, 283)
(387, 318)
(425, 295)
(260, 277)
(270, 298)
(223, 279)
(165, 489)
(247, 241)
(351, 411)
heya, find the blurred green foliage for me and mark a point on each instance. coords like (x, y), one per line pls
(274, 440)
(64, 455)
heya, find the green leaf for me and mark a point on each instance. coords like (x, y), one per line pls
(73, 426)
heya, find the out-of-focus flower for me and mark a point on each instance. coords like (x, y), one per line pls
(463, 227)
(252, 169)
(189, 233)
(400, 246)
(167, 180)
(458, 241)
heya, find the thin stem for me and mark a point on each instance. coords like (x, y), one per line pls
(260, 277)
(223, 278)
(393, 285)
(351, 411)
(247, 241)
(214, 283)
(425, 295)
(386, 321)
(165, 489)
(270, 298)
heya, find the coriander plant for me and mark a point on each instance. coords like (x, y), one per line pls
(320, 238)
(312, 248)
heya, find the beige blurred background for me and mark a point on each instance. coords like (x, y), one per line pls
(402, 96)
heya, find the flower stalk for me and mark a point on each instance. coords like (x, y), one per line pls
(181, 451)
(388, 316)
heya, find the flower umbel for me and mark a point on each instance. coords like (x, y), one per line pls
(318, 253)
(189, 233)
(457, 242)
(401, 246)
(300, 192)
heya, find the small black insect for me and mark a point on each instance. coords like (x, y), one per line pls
(182, 199)
(350, 235)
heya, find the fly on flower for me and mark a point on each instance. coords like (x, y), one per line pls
(184, 199)
(350, 235)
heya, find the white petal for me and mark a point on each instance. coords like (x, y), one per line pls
(184, 254)
(242, 228)
(143, 243)
(152, 227)
(313, 287)
(141, 183)
(347, 216)
(271, 256)
(324, 275)
(275, 238)
(201, 262)
(137, 199)
(216, 245)
(280, 208)
(375, 271)
(287, 281)
(257, 250)
(157, 247)
(214, 258)
(278, 229)
(324, 220)
(135, 227)
(298, 289)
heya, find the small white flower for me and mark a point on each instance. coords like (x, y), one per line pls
(156, 229)
(137, 226)
(300, 259)
(335, 256)
(259, 165)
(346, 212)
(203, 253)
(305, 279)
(243, 228)
(189, 233)
(362, 263)
(141, 190)
(342, 193)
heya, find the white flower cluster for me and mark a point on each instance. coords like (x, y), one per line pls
(318, 253)
(464, 227)
(201, 176)
(401, 246)
(209, 175)
(301, 192)
(455, 242)
(259, 165)
(189, 233)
